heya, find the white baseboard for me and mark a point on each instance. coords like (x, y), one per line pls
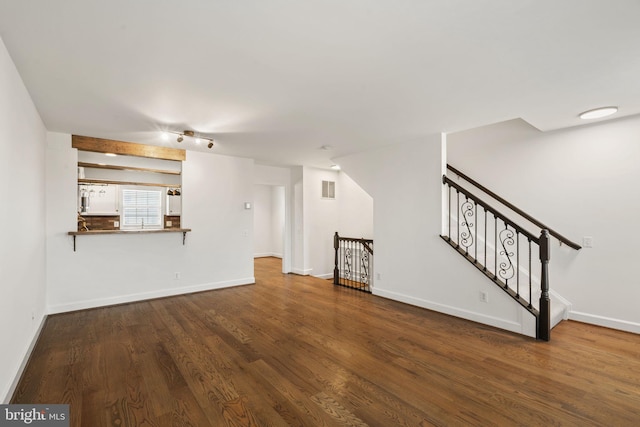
(267, 254)
(102, 302)
(457, 312)
(25, 360)
(607, 322)
(324, 276)
(302, 272)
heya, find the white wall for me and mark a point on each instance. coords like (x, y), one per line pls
(22, 213)
(350, 214)
(310, 221)
(581, 182)
(411, 262)
(262, 220)
(300, 257)
(117, 268)
(278, 213)
(355, 216)
(268, 220)
(321, 219)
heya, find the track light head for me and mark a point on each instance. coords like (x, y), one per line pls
(186, 134)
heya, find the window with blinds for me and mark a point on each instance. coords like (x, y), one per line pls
(141, 209)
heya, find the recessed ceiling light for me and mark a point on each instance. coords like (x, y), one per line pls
(335, 167)
(110, 154)
(598, 113)
(165, 136)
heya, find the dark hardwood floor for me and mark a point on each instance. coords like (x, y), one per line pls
(295, 350)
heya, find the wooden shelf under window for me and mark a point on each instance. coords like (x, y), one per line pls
(126, 168)
(184, 232)
(107, 181)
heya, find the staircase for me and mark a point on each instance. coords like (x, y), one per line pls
(515, 258)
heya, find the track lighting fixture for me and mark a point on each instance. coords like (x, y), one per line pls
(191, 134)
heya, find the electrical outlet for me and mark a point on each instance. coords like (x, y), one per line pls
(169, 223)
(484, 296)
(116, 224)
(176, 276)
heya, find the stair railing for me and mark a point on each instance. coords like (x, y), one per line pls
(502, 250)
(353, 264)
(515, 209)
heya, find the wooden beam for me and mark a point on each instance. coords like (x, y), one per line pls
(88, 181)
(126, 168)
(98, 145)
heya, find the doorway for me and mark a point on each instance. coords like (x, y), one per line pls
(269, 218)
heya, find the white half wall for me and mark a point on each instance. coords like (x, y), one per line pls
(411, 263)
(117, 268)
(22, 222)
(583, 182)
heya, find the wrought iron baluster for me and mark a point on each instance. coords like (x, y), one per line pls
(517, 263)
(347, 262)
(370, 271)
(358, 245)
(466, 212)
(530, 286)
(365, 265)
(458, 219)
(495, 245)
(354, 261)
(506, 267)
(343, 255)
(449, 211)
(475, 243)
(353, 267)
(485, 239)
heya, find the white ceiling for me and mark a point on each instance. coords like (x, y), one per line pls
(275, 80)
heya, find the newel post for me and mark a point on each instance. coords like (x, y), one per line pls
(336, 273)
(544, 321)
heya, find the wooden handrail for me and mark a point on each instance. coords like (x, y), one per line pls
(488, 207)
(515, 209)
